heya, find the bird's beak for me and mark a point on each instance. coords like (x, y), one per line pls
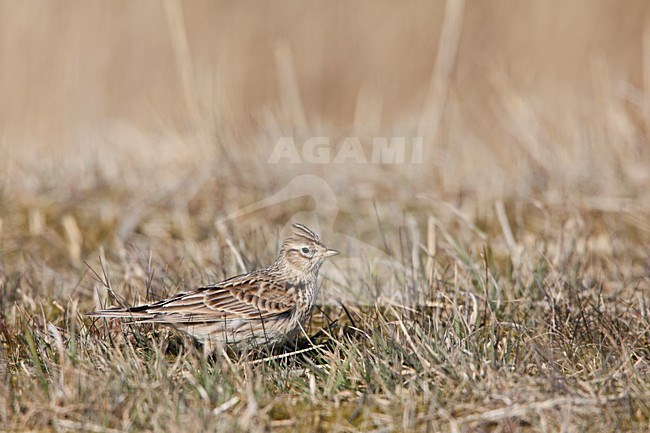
(330, 253)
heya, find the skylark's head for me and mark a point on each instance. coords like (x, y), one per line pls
(303, 252)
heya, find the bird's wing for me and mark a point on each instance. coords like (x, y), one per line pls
(249, 297)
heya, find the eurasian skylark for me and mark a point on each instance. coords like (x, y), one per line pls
(261, 307)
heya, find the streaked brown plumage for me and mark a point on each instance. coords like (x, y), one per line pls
(262, 306)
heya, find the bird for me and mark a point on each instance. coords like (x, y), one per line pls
(264, 306)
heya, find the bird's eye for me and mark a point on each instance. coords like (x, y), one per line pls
(305, 250)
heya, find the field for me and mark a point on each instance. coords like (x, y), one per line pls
(498, 281)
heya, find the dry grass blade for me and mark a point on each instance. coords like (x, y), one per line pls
(519, 410)
(285, 355)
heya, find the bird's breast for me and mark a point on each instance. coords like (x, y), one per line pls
(303, 292)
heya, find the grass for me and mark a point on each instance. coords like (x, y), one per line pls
(522, 240)
(559, 339)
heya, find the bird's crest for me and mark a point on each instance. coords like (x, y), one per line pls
(302, 231)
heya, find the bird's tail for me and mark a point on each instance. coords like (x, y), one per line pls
(135, 313)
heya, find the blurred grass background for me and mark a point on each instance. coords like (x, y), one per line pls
(127, 127)
(534, 98)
